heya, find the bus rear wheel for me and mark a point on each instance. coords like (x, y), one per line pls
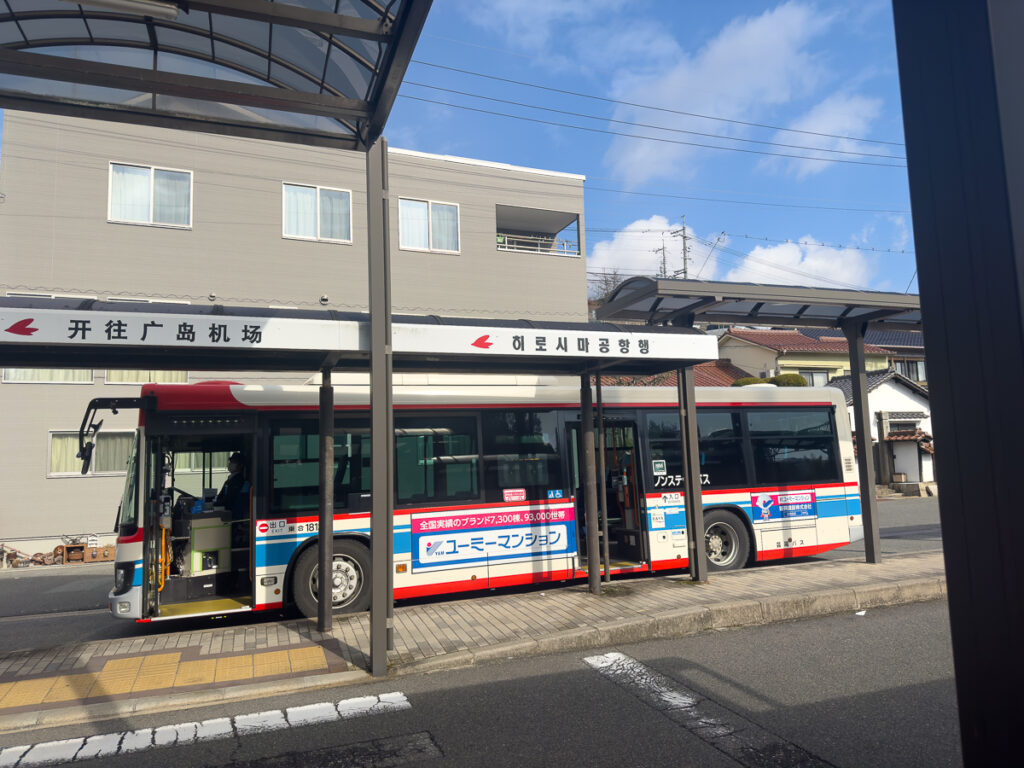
(725, 540)
(349, 582)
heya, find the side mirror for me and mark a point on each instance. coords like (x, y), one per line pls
(85, 454)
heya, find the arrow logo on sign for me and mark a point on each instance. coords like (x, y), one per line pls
(483, 342)
(23, 328)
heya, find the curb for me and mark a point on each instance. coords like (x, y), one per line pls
(674, 623)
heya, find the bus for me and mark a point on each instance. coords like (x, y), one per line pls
(487, 490)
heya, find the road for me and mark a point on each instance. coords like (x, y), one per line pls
(849, 690)
(42, 603)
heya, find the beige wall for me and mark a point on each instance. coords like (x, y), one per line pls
(55, 239)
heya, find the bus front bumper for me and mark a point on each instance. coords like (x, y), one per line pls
(127, 605)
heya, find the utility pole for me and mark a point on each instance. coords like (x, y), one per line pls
(686, 248)
(663, 271)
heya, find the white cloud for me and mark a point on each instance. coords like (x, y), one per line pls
(841, 115)
(803, 263)
(751, 66)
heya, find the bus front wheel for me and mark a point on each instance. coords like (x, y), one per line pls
(350, 579)
(725, 540)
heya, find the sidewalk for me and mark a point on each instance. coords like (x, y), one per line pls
(177, 670)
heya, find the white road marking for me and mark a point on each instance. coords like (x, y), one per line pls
(108, 744)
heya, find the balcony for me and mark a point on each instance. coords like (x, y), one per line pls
(533, 230)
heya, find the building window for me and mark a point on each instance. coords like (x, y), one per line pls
(147, 377)
(47, 376)
(912, 369)
(142, 194)
(317, 213)
(815, 378)
(110, 457)
(424, 225)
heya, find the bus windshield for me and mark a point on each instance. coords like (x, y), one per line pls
(127, 512)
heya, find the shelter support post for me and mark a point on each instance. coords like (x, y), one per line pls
(691, 475)
(602, 492)
(382, 434)
(862, 426)
(963, 115)
(589, 477)
(325, 541)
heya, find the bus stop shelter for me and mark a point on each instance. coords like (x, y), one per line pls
(683, 303)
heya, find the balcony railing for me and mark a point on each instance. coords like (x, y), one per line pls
(538, 244)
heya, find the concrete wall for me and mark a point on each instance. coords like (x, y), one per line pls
(55, 239)
(891, 396)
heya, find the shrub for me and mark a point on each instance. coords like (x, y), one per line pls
(747, 380)
(788, 380)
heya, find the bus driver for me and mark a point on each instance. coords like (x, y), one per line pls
(233, 486)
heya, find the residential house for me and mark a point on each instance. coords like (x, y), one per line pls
(906, 349)
(772, 352)
(900, 426)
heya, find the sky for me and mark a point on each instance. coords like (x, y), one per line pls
(812, 189)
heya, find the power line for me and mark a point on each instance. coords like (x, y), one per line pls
(648, 138)
(824, 245)
(648, 106)
(742, 202)
(649, 125)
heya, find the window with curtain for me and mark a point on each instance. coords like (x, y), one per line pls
(316, 213)
(424, 225)
(47, 376)
(147, 377)
(110, 456)
(142, 194)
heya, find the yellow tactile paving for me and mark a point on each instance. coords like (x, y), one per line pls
(271, 663)
(118, 676)
(196, 672)
(307, 659)
(27, 692)
(157, 671)
(4, 688)
(234, 668)
(70, 687)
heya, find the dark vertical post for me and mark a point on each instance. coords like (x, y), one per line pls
(325, 570)
(865, 456)
(960, 67)
(382, 436)
(691, 474)
(589, 484)
(602, 493)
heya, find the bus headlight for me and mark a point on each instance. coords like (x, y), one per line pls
(123, 576)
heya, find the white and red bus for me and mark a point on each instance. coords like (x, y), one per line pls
(487, 490)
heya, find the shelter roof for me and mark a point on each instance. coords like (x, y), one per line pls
(311, 71)
(795, 341)
(875, 379)
(683, 302)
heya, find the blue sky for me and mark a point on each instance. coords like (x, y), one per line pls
(826, 71)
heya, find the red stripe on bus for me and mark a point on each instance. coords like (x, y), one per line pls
(135, 538)
(468, 585)
(267, 606)
(670, 565)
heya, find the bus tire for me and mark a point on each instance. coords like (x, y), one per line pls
(725, 540)
(351, 579)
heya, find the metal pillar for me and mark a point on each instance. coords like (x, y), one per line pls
(382, 435)
(589, 484)
(325, 570)
(963, 115)
(602, 488)
(862, 426)
(691, 475)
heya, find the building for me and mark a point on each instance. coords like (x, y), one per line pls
(901, 426)
(906, 349)
(117, 212)
(768, 353)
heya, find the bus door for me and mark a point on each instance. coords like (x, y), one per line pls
(202, 495)
(622, 488)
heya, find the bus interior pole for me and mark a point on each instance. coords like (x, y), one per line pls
(382, 438)
(589, 484)
(691, 475)
(854, 332)
(602, 489)
(325, 576)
